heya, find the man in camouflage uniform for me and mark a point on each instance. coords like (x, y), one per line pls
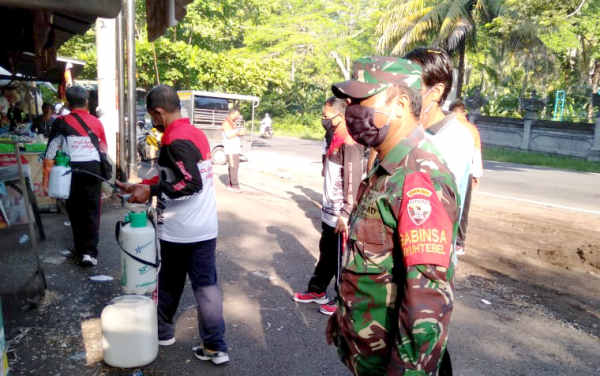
(396, 291)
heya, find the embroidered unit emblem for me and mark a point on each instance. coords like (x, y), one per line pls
(419, 210)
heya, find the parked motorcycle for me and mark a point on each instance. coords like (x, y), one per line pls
(148, 141)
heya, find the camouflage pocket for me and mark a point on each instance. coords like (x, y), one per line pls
(367, 226)
(371, 233)
(366, 302)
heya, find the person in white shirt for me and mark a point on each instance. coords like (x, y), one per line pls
(458, 108)
(187, 224)
(342, 173)
(233, 130)
(446, 131)
(265, 125)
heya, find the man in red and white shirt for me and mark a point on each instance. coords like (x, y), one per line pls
(342, 173)
(187, 224)
(84, 203)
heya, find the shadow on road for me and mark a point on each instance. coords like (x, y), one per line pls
(260, 143)
(224, 179)
(293, 253)
(310, 203)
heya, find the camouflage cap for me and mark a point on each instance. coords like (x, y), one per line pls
(371, 75)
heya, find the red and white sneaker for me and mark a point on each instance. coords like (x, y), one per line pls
(329, 308)
(310, 297)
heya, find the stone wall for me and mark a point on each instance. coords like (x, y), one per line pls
(571, 139)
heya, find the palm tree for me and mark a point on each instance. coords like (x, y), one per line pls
(449, 24)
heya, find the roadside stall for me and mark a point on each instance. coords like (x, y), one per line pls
(34, 31)
(25, 98)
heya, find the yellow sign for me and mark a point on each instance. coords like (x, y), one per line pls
(184, 95)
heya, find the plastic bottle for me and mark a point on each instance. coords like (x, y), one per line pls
(139, 264)
(59, 185)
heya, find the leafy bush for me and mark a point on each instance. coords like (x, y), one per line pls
(307, 125)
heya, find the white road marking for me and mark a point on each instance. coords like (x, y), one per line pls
(549, 204)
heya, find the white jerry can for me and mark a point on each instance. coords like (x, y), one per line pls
(129, 331)
(139, 254)
(59, 183)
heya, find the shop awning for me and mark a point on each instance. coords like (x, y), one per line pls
(94, 8)
(33, 30)
(27, 68)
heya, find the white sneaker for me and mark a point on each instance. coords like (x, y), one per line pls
(216, 357)
(167, 342)
(88, 260)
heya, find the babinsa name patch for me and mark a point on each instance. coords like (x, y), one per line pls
(425, 229)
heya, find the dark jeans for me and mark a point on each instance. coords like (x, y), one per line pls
(84, 208)
(198, 261)
(445, 365)
(327, 264)
(464, 219)
(233, 161)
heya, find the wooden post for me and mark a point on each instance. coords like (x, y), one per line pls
(26, 197)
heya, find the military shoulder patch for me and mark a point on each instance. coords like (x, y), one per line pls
(425, 228)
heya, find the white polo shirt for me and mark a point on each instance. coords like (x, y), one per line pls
(454, 141)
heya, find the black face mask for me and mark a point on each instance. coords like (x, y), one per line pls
(361, 126)
(329, 130)
(327, 124)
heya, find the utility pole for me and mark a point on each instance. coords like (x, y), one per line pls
(107, 88)
(131, 84)
(122, 149)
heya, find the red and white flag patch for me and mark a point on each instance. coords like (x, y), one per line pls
(425, 229)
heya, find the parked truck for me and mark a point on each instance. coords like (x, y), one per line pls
(207, 110)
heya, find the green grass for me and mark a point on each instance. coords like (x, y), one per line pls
(301, 126)
(499, 154)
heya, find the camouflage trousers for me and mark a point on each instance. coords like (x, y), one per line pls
(375, 338)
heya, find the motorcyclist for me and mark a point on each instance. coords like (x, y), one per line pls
(265, 126)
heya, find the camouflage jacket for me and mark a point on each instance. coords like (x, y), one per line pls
(396, 290)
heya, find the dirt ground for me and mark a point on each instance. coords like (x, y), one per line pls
(543, 258)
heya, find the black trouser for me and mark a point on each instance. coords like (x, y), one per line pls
(233, 160)
(464, 219)
(446, 365)
(327, 264)
(84, 208)
(198, 261)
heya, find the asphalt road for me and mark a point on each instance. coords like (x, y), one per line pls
(539, 185)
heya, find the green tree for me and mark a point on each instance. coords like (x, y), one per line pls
(449, 24)
(546, 45)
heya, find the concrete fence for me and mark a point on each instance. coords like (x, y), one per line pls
(572, 139)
